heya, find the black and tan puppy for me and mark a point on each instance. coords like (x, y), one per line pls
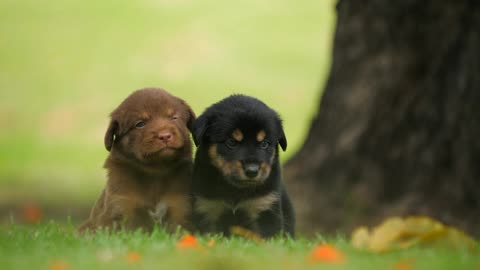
(149, 165)
(237, 176)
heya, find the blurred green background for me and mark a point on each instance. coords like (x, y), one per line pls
(64, 65)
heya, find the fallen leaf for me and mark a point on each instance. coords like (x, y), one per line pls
(361, 237)
(326, 254)
(240, 231)
(32, 213)
(211, 243)
(134, 257)
(398, 233)
(404, 265)
(59, 265)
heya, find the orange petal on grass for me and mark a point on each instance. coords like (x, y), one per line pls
(188, 242)
(404, 265)
(327, 254)
(59, 266)
(211, 243)
(134, 257)
(32, 213)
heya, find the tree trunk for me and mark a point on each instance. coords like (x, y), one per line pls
(398, 130)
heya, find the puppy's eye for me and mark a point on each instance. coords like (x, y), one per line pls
(140, 124)
(264, 144)
(231, 143)
(175, 117)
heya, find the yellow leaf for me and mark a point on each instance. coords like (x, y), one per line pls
(404, 265)
(60, 265)
(211, 243)
(245, 233)
(361, 237)
(134, 257)
(398, 233)
(383, 236)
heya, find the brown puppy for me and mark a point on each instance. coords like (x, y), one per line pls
(149, 166)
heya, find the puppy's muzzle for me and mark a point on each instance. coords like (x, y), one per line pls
(251, 169)
(165, 136)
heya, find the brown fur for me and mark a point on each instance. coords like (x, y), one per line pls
(149, 168)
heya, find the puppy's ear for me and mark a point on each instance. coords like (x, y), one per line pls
(112, 131)
(282, 139)
(199, 128)
(283, 142)
(191, 117)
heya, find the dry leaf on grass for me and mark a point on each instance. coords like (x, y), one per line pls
(404, 265)
(59, 265)
(399, 233)
(32, 213)
(245, 233)
(134, 257)
(211, 243)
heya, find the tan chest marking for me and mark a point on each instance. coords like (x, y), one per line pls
(255, 206)
(213, 209)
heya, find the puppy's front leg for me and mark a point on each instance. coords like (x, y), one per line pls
(201, 223)
(159, 213)
(125, 211)
(270, 222)
(288, 214)
(178, 211)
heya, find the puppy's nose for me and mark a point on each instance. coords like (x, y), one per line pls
(251, 169)
(165, 136)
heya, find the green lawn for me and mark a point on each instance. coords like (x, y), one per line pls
(64, 65)
(58, 247)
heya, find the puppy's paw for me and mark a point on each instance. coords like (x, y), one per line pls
(159, 213)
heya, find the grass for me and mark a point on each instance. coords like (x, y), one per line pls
(66, 64)
(54, 246)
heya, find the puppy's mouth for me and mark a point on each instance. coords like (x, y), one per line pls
(241, 182)
(240, 173)
(162, 152)
(248, 175)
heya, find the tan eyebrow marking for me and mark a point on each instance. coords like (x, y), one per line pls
(261, 136)
(144, 115)
(170, 112)
(237, 135)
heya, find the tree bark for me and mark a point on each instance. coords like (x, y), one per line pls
(398, 127)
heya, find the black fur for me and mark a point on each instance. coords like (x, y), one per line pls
(236, 199)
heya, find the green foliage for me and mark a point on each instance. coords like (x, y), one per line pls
(66, 64)
(50, 246)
